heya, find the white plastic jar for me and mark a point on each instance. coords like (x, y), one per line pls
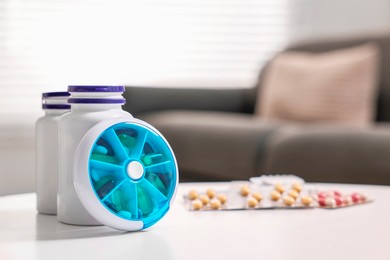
(114, 169)
(89, 106)
(54, 105)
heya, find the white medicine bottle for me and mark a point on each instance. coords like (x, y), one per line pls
(89, 106)
(54, 105)
(114, 170)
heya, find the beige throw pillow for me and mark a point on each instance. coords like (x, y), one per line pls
(337, 86)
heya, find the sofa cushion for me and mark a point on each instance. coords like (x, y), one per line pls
(337, 86)
(214, 146)
(332, 154)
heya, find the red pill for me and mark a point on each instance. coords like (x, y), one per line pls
(357, 197)
(321, 201)
(339, 201)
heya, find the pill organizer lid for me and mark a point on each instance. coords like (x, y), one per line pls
(81, 88)
(125, 174)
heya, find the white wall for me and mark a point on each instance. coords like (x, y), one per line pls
(306, 19)
(16, 162)
(334, 18)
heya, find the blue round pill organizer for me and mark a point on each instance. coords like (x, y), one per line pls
(125, 174)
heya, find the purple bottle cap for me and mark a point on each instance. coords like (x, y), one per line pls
(96, 101)
(55, 106)
(75, 88)
(55, 94)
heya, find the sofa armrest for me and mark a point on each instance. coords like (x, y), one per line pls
(148, 99)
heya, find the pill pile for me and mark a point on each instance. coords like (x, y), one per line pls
(336, 199)
(210, 200)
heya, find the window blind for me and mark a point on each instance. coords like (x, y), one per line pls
(46, 45)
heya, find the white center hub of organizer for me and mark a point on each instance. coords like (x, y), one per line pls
(135, 170)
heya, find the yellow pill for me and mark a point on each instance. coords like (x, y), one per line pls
(215, 204)
(197, 204)
(279, 188)
(204, 199)
(211, 193)
(251, 202)
(222, 198)
(306, 200)
(296, 186)
(257, 196)
(288, 201)
(275, 195)
(294, 194)
(245, 190)
(193, 194)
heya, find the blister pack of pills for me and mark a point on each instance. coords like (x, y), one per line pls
(336, 199)
(244, 195)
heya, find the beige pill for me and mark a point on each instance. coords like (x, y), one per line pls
(222, 198)
(215, 204)
(275, 195)
(251, 202)
(330, 202)
(245, 190)
(348, 200)
(204, 199)
(288, 201)
(197, 204)
(211, 193)
(296, 186)
(306, 200)
(193, 194)
(257, 196)
(294, 194)
(279, 188)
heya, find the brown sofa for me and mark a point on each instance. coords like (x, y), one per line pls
(216, 136)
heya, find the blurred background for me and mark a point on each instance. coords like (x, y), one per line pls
(46, 45)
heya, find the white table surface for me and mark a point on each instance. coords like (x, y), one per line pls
(360, 232)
